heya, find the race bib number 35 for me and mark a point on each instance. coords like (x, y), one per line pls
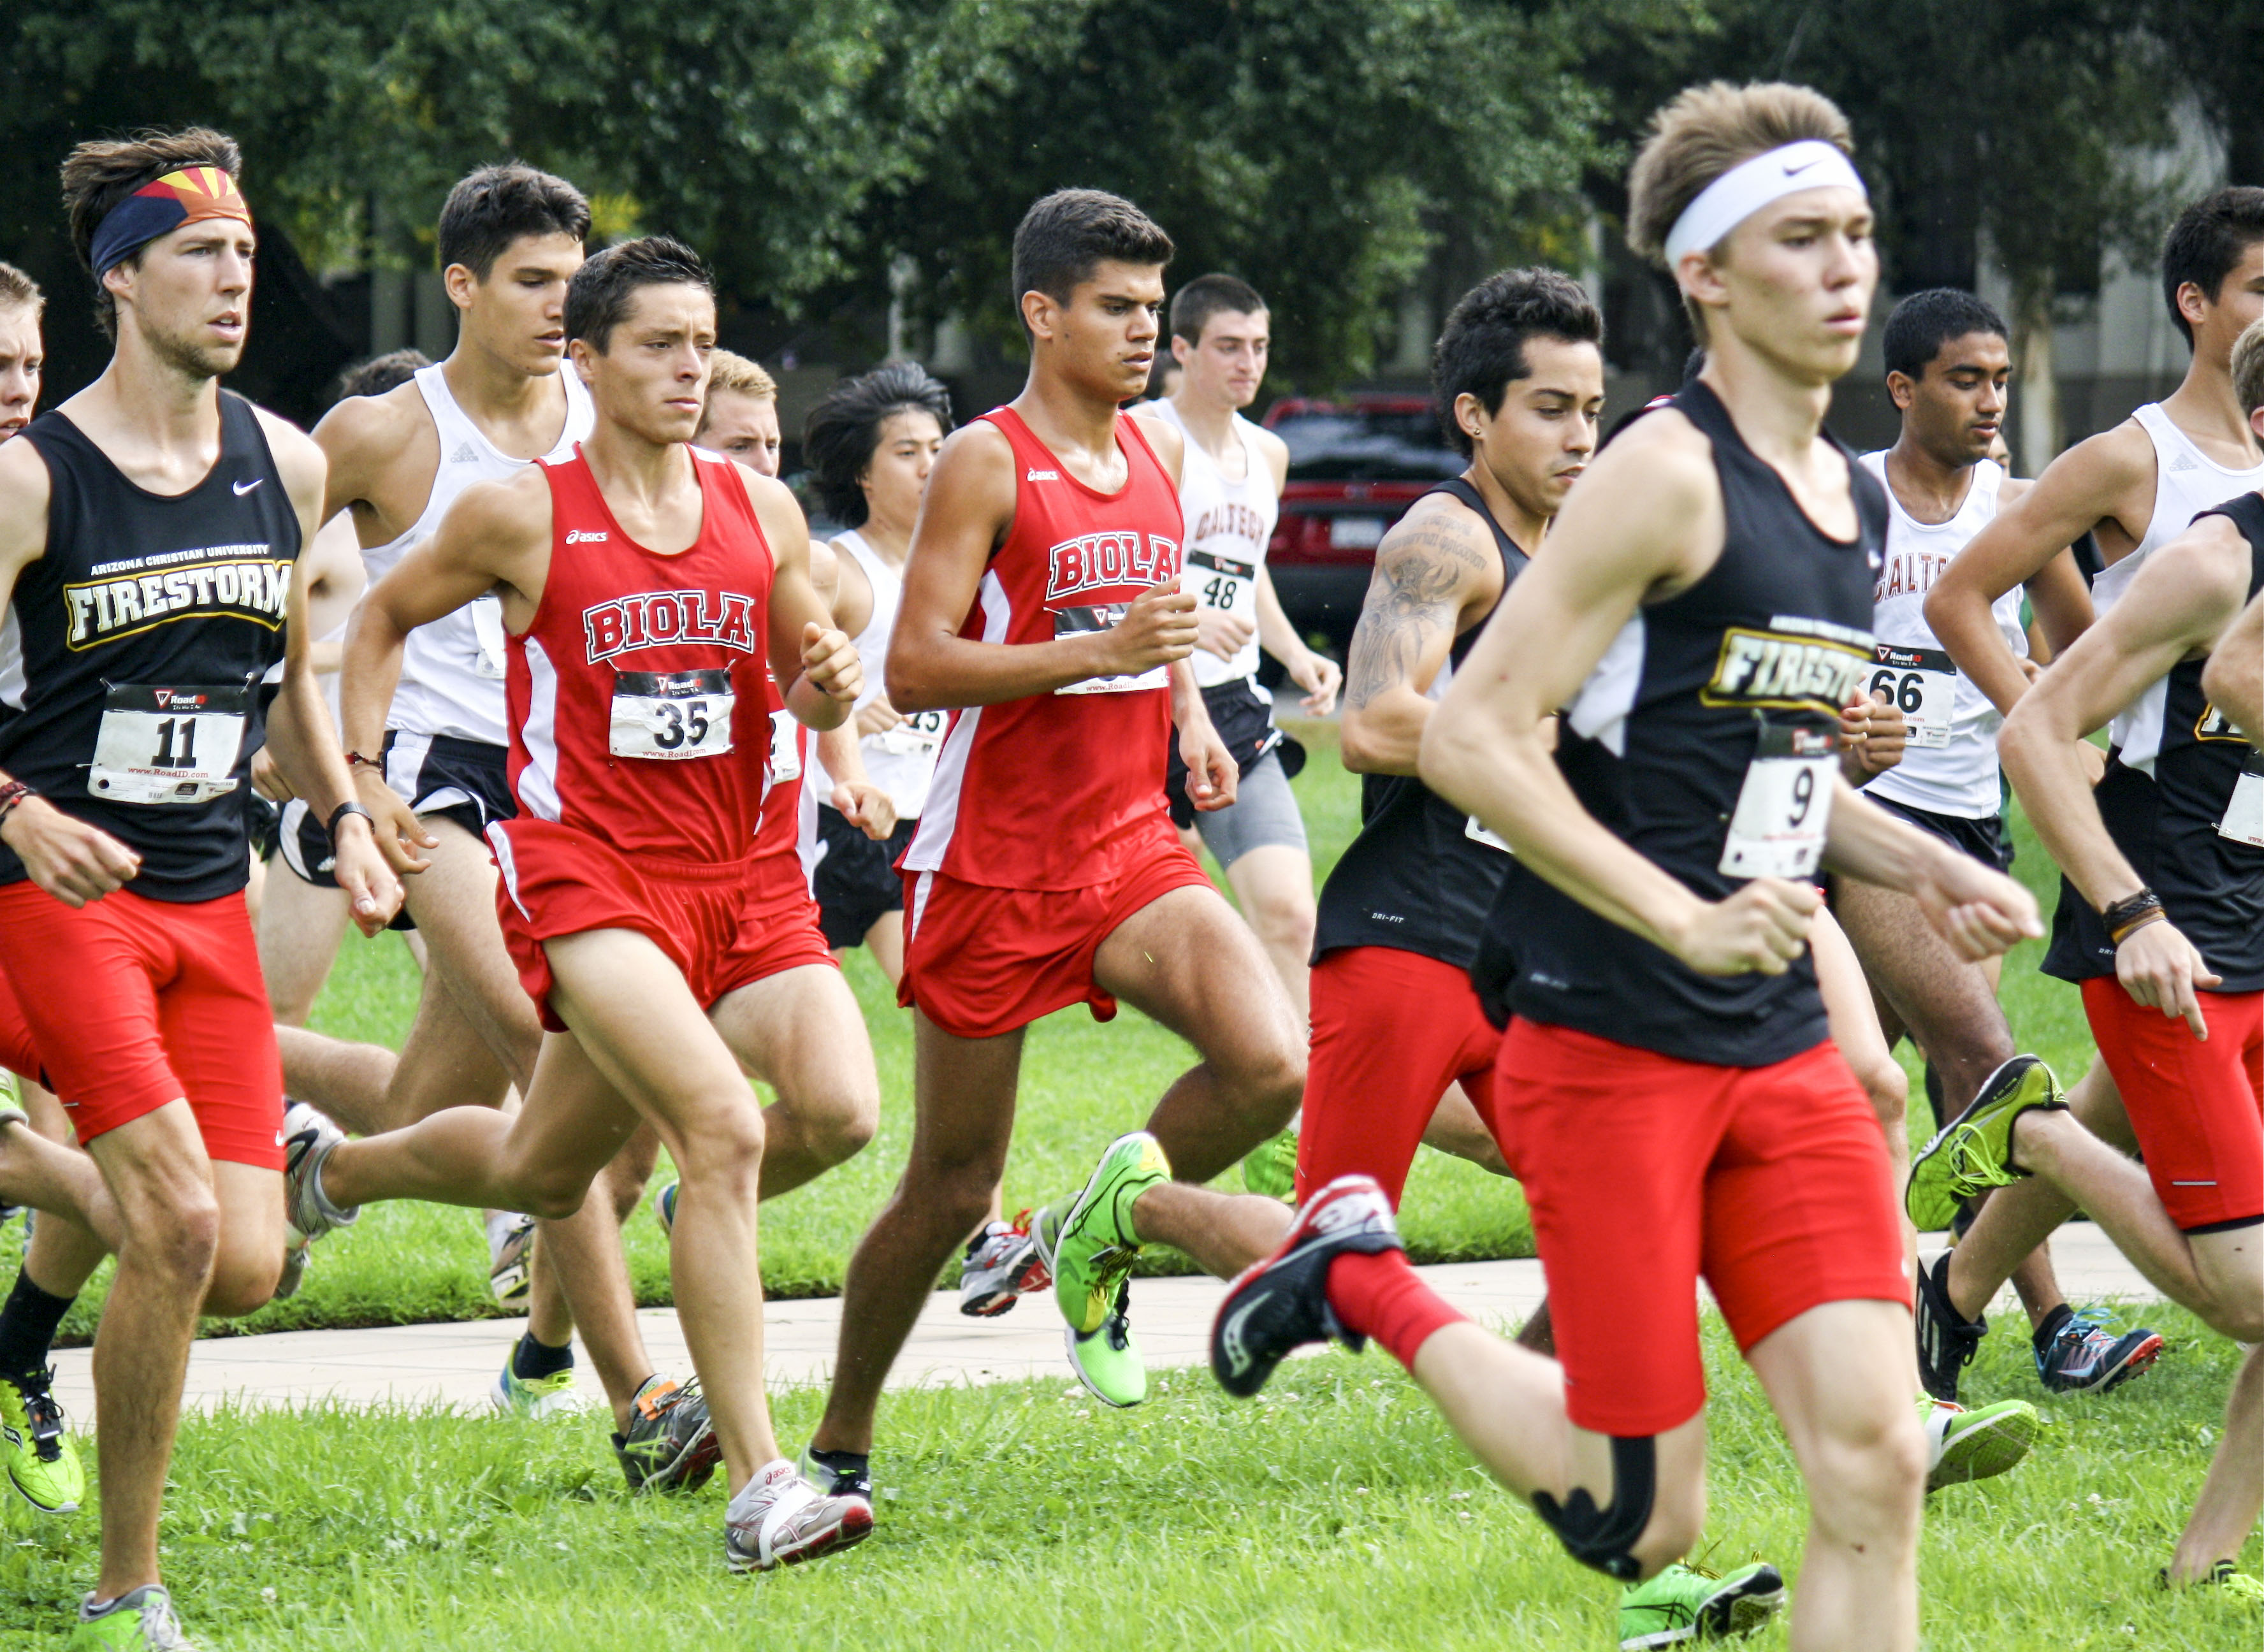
(2244, 813)
(1785, 806)
(1922, 683)
(168, 745)
(1070, 622)
(671, 714)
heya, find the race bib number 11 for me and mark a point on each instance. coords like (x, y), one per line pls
(671, 714)
(1785, 806)
(167, 745)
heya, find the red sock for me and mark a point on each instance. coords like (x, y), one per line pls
(1382, 1297)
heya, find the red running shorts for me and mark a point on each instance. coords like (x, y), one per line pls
(1643, 1172)
(1391, 1030)
(131, 1002)
(981, 962)
(2196, 1105)
(724, 926)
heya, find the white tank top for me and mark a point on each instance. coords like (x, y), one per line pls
(452, 670)
(1949, 766)
(1228, 525)
(901, 762)
(2187, 483)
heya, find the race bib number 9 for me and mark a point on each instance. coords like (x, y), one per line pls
(1222, 582)
(1784, 807)
(1072, 622)
(167, 745)
(2244, 813)
(916, 735)
(1922, 683)
(671, 714)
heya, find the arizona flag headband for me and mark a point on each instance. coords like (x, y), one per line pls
(186, 197)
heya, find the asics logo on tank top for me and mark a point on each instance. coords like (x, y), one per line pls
(1102, 561)
(139, 593)
(660, 618)
(1042, 475)
(583, 536)
(1796, 664)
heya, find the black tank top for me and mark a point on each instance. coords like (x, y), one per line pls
(1751, 662)
(1416, 878)
(133, 651)
(2166, 824)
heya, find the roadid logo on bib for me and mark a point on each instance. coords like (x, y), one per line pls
(139, 593)
(1795, 664)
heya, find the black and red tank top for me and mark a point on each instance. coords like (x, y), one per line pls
(639, 697)
(1053, 791)
(2190, 822)
(1705, 739)
(132, 650)
(1421, 875)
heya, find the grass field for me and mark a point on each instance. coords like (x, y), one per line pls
(1083, 1084)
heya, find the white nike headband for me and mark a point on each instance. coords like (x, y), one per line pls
(1749, 186)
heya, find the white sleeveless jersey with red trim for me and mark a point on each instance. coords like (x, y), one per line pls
(640, 697)
(1052, 791)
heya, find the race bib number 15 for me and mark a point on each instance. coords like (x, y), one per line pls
(167, 745)
(1785, 806)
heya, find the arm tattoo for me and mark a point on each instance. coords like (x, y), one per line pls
(1416, 593)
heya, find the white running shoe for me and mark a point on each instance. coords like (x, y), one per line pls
(308, 1140)
(1001, 1263)
(779, 1518)
(510, 1260)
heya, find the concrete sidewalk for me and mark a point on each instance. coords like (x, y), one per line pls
(456, 1365)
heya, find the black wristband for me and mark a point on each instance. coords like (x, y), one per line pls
(2130, 913)
(11, 795)
(340, 813)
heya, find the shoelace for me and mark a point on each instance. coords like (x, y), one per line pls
(1118, 1326)
(160, 1628)
(1969, 1162)
(45, 1417)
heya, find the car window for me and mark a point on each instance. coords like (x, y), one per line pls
(1367, 444)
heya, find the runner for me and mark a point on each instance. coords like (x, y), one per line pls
(2134, 489)
(2171, 963)
(741, 420)
(2234, 681)
(629, 902)
(1042, 596)
(1948, 365)
(22, 355)
(1667, 1086)
(127, 752)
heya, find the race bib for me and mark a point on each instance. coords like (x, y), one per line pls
(1785, 805)
(167, 745)
(1922, 683)
(487, 626)
(1223, 582)
(671, 714)
(2244, 813)
(1071, 622)
(1479, 834)
(786, 748)
(916, 735)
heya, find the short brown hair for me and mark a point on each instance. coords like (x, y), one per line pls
(1207, 295)
(1703, 134)
(1066, 234)
(18, 291)
(2248, 368)
(103, 171)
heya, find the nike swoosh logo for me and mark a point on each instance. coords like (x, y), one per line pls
(242, 488)
(1795, 171)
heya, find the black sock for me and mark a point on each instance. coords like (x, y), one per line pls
(1934, 1095)
(27, 1327)
(856, 1468)
(531, 1361)
(2049, 1327)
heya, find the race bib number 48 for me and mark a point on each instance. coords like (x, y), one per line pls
(1922, 683)
(671, 714)
(1070, 622)
(1784, 807)
(168, 745)
(1223, 582)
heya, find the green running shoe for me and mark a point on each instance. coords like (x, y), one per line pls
(142, 1620)
(1270, 1171)
(1963, 1444)
(1975, 1151)
(2234, 1586)
(537, 1399)
(1688, 1603)
(42, 1463)
(1090, 1250)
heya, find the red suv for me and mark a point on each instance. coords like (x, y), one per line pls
(1355, 465)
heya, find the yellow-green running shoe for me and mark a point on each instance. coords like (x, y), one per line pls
(1688, 1603)
(1963, 1444)
(1270, 1171)
(1089, 1250)
(42, 1463)
(2238, 1587)
(141, 1621)
(1975, 1149)
(536, 1399)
